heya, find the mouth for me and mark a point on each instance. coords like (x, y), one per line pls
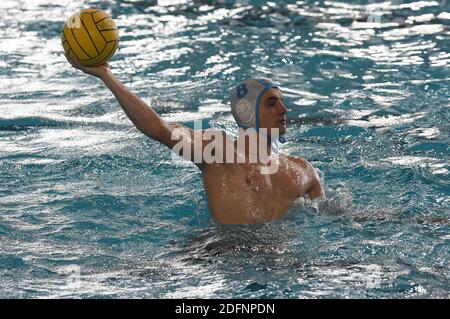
(282, 122)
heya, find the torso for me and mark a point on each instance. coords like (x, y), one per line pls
(239, 193)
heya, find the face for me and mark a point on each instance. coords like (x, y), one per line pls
(272, 112)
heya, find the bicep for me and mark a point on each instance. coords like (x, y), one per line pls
(173, 133)
(187, 143)
(315, 188)
(179, 139)
(192, 145)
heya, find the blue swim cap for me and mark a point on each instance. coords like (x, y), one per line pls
(246, 99)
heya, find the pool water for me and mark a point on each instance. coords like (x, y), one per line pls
(90, 207)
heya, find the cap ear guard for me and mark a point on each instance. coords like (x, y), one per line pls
(245, 112)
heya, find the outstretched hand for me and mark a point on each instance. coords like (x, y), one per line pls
(98, 71)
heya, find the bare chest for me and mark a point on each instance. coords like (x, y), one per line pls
(288, 181)
(242, 189)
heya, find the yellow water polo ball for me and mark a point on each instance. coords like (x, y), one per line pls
(91, 36)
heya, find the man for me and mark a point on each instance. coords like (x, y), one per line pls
(238, 191)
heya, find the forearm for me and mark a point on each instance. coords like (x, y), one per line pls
(139, 112)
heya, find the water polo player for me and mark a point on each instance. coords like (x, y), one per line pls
(239, 191)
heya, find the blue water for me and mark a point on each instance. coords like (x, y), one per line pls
(89, 207)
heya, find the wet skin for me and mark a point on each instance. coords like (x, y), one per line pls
(238, 193)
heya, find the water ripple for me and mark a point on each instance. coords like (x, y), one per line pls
(83, 193)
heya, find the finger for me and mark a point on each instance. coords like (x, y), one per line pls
(74, 61)
(77, 63)
(68, 59)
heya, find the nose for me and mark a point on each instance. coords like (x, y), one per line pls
(282, 109)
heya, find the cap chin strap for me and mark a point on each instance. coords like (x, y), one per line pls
(274, 146)
(281, 138)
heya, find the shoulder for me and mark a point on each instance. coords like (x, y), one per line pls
(301, 161)
(218, 137)
(211, 132)
(307, 167)
(315, 188)
(206, 135)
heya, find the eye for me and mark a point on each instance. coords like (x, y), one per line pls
(271, 102)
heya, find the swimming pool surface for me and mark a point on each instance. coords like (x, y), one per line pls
(90, 207)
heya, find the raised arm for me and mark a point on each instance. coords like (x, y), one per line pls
(140, 113)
